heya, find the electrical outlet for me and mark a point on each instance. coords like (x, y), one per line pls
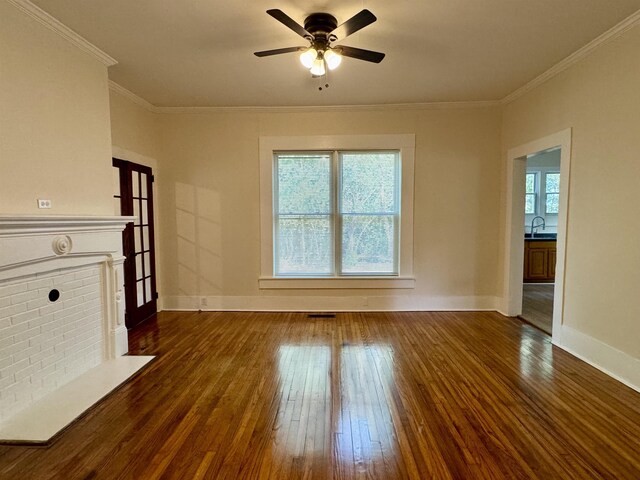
(43, 203)
(203, 302)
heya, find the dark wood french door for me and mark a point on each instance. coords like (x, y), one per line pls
(136, 198)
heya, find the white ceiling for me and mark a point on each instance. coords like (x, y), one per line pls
(200, 52)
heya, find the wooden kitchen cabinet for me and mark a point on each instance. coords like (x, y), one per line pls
(539, 261)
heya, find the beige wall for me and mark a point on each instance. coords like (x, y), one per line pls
(209, 200)
(133, 128)
(599, 98)
(135, 137)
(54, 122)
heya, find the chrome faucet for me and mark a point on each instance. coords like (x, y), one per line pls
(534, 226)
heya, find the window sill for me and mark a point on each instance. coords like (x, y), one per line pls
(314, 283)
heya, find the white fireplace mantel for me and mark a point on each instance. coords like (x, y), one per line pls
(61, 306)
(29, 241)
(34, 245)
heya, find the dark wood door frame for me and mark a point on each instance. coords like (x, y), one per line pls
(137, 309)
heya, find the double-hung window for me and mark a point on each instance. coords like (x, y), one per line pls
(336, 213)
(542, 192)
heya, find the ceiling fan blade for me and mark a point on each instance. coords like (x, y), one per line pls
(278, 51)
(360, 54)
(355, 23)
(289, 22)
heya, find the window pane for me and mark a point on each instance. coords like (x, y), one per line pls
(136, 211)
(139, 272)
(368, 244)
(553, 202)
(140, 293)
(304, 245)
(137, 236)
(552, 182)
(530, 203)
(143, 185)
(147, 289)
(368, 182)
(304, 183)
(145, 213)
(147, 264)
(531, 183)
(135, 183)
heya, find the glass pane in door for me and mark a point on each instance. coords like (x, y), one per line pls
(145, 212)
(143, 185)
(135, 184)
(140, 292)
(139, 271)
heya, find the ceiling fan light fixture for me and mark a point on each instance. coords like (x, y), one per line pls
(308, 57)
(332, 58)
(318, 69)
(321, 30)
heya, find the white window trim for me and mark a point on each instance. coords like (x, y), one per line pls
(405, 143)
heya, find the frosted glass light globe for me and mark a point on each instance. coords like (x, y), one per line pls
(333, 59)
(318, 69)
(308, 57)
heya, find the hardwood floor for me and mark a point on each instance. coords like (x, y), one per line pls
(363, 395)
(537, 305)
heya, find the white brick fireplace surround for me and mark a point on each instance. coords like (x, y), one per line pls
(62, 332)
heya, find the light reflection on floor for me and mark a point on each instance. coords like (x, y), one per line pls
(355, 405)
(536, 358)
(364, 429)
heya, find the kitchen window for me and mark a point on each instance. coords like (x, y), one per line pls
(337, 217)
(542, 194)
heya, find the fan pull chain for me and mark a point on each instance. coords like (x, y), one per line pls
(325, 79)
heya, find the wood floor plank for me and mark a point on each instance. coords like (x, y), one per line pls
(537, 305)
(412, 395)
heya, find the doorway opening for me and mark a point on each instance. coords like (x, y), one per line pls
(541, 209)
(536, 228)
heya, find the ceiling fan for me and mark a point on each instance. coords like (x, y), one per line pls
(321, 30)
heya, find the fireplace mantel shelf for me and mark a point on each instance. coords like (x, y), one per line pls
(25, 224)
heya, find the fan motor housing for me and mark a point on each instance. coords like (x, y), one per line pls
(320, 23)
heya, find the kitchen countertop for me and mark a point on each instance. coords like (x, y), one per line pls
(540, 237)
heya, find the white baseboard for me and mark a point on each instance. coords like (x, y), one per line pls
(615, 363)
(280, 303)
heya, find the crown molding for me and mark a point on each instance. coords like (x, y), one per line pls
(119, 89)
(328, 108)
(65, 32)
(615, 32)
(296, 109)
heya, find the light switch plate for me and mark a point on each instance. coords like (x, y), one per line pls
(43, 203)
